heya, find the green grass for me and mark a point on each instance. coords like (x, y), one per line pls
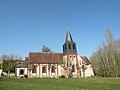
(60, 84)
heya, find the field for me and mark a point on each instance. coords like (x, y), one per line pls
(60, 84)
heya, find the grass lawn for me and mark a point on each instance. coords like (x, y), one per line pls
(60, 84)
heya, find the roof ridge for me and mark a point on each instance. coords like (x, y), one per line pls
(46, 52)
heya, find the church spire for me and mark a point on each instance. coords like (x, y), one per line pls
(68, 37)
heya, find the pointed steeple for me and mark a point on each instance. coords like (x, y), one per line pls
(68, 37)
(69, 45)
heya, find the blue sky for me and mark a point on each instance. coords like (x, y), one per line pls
(26, 25)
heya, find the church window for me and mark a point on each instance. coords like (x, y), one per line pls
(53, 69)
(73, 68)
(69, 46)
(34, 69)
(44, 69)
(21, 72)
(74, 46)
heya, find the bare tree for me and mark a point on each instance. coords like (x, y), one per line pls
(9, 62)
(106, 60)
(83, 70)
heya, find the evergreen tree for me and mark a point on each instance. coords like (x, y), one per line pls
(45, 49)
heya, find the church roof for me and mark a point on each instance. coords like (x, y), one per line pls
(69, 37)
(22, 65)
(45, 57)
(85, 60)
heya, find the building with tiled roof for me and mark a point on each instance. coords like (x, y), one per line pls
(50, 64)
(45, 57)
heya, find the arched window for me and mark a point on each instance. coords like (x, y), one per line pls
(21, 72)
(73, 68)
(34, 69)
(53, 69)
(44, 69)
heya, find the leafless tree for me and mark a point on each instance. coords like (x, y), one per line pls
(106, 60)
(9, 62)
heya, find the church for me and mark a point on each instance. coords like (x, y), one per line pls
(55, 65)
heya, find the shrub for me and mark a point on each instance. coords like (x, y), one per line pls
(62, 76)
(21, 77)
(25, 76)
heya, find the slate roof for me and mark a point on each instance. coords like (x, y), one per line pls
(69, 37)
(22, 65)
(45, 57)
(85, 60)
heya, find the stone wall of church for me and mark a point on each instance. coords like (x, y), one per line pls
(0, 72)
(21, 72)
(70, 62)
(89, 71)
(47, 70)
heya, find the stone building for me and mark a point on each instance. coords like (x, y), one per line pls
(49, 64)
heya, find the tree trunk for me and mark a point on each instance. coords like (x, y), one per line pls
(83, 73)
(9, 74)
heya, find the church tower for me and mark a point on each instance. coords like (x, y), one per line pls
(69, 46)
(70, 58)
